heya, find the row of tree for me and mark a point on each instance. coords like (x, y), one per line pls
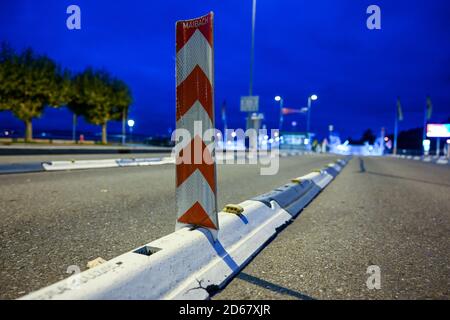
(30, 82)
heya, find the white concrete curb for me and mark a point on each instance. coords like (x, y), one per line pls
(183, 258)
(442, 160)
(188, 264)
(106, 163)
(80, 164)
(145, 162)
(228, 158)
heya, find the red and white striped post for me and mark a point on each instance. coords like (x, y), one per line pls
(195, 165)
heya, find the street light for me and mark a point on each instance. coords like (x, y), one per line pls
(448, 148)
(252, 50)
(131, 123)
(310, 99)
(280, 100)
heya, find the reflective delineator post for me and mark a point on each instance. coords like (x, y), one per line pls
(194, 152)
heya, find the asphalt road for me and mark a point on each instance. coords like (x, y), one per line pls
(392, 213)
(52, 220)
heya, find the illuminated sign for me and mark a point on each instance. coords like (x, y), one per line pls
(438, 130)
(250, 104)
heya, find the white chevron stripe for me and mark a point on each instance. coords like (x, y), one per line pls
(195, 113)
(196, 51)
(188, 122)
(195, 116)
(196, 189)
(182, 144)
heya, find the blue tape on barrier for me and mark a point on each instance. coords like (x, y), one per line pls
(21, 167)
(332, 171)
(291, 197)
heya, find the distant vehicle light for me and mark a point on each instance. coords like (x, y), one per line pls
(386, 139)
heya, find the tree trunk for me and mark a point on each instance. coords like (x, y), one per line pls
(104, 134)
(123, 126)
(74, 127)
(28, 131)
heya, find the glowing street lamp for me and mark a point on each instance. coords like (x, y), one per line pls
(131, 123)
(280, 100)
(311, 98)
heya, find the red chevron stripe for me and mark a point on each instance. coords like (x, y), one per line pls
(196, 215)
(184, 170)
(195, 87)
(186, 28)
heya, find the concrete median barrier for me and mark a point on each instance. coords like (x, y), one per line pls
(79, 164)
(441, 160)
(145, 162)
(21, 167)
(116, 163)
(189, 264)
(107, 163)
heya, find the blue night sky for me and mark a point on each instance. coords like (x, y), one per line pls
(302, 47)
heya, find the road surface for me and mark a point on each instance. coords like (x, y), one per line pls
(392, 213)
(52, 220)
